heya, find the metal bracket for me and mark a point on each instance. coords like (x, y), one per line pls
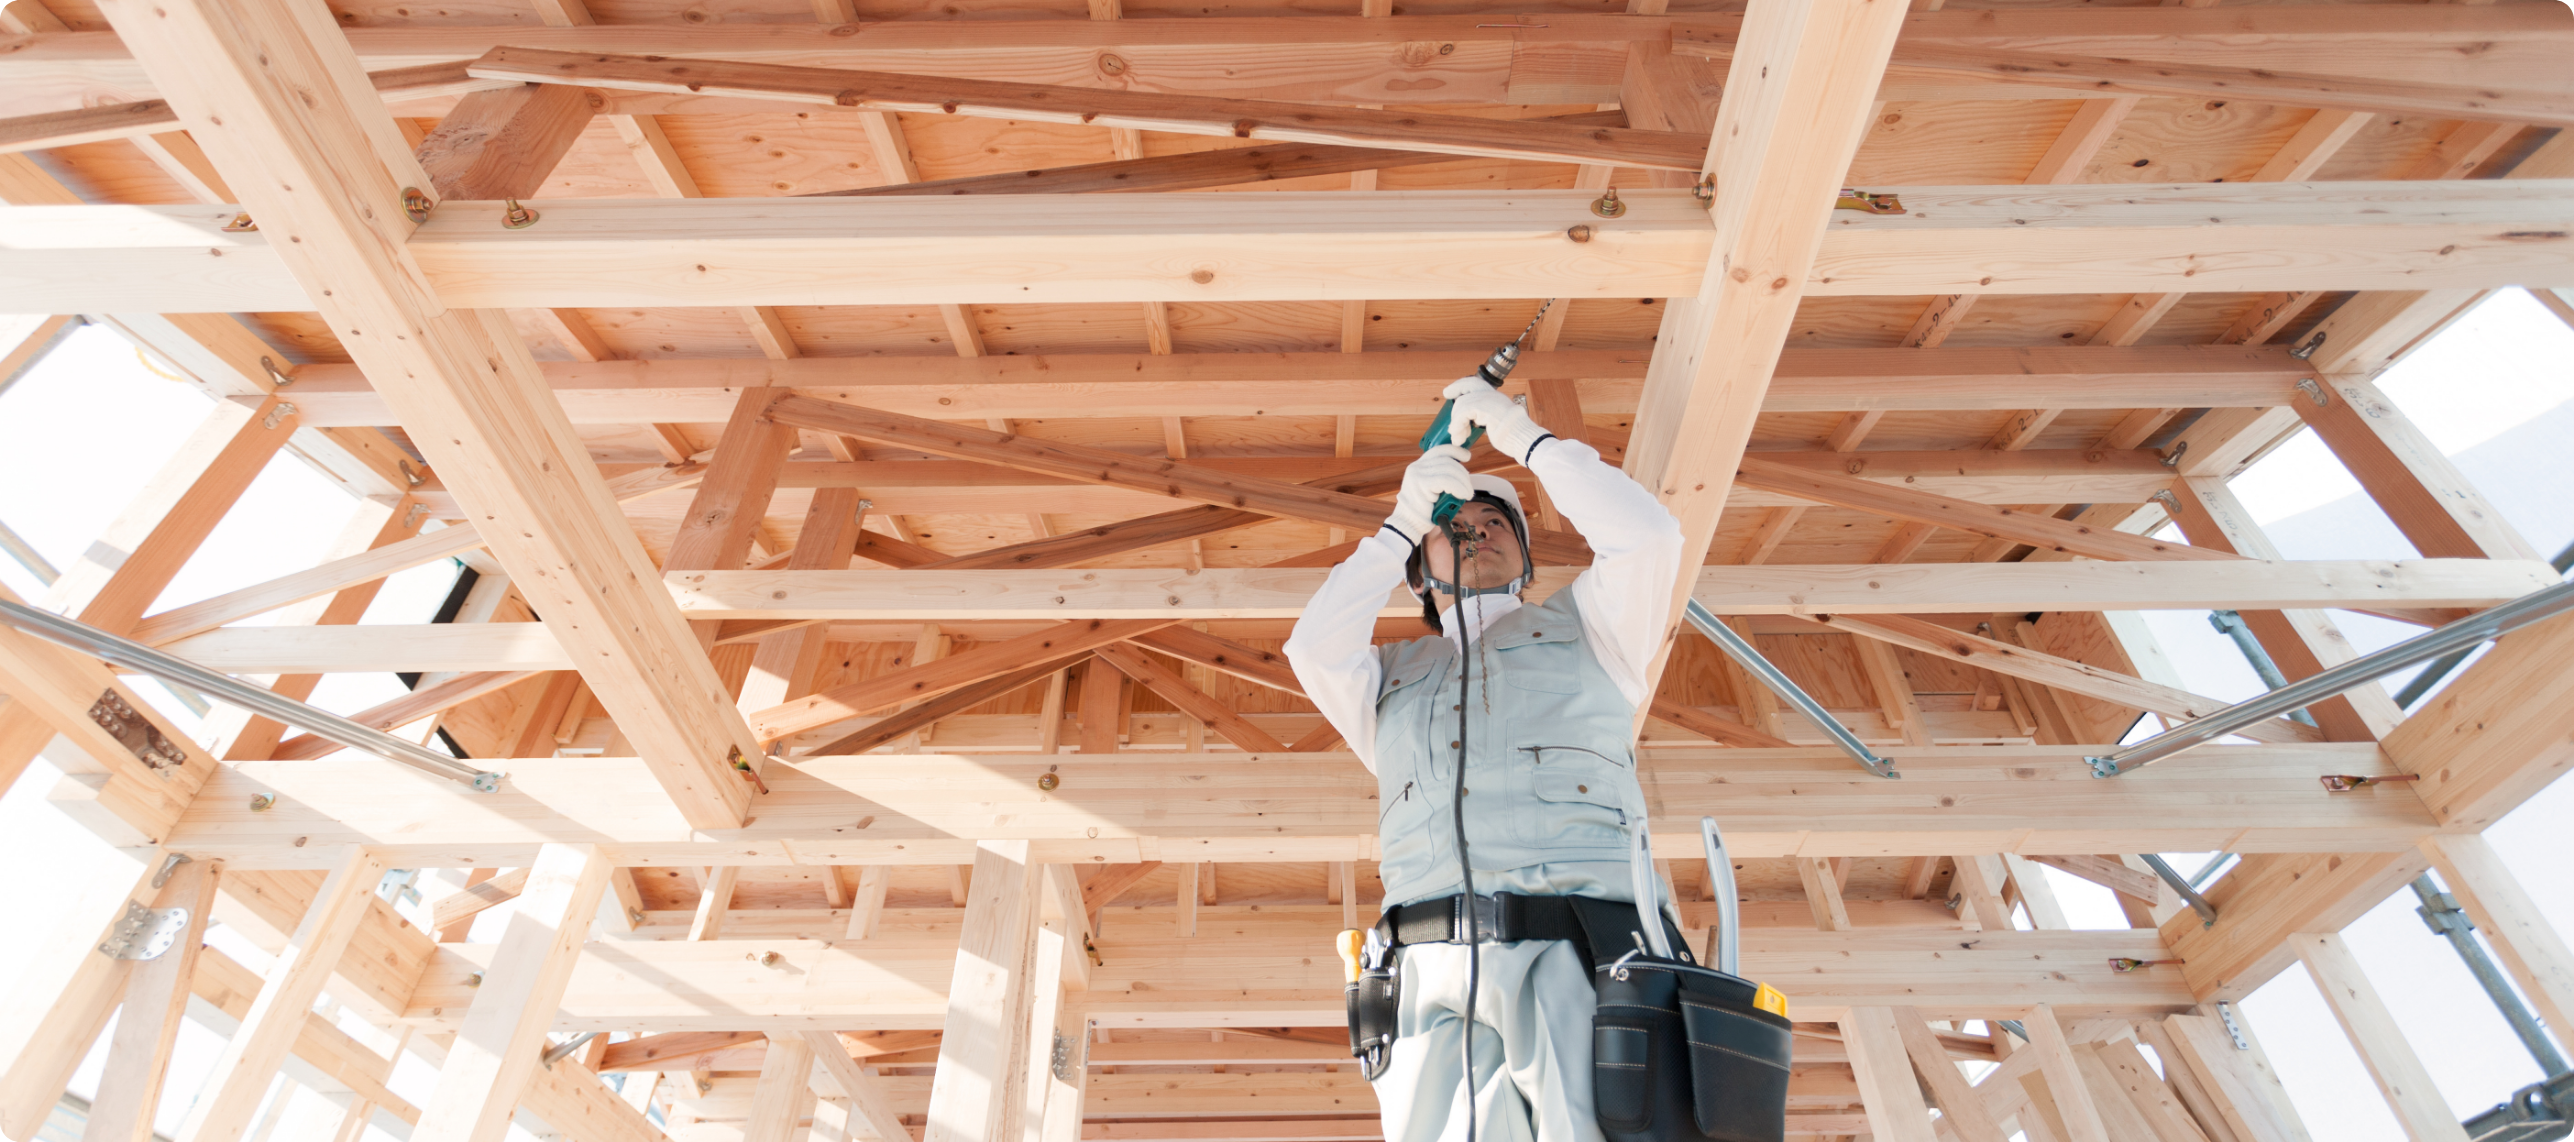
(241, 224)
(144, 933)
(277, 416)
(2314, 392)
(2171, 503)
(2225, 1012)
(169, 864)
(1062, 1059)
(2102, 766)
(133, 731)
(415, 205)
(276, 376)
(2173, 460)
(1867, 203)
(2307, 351)
(408, 476)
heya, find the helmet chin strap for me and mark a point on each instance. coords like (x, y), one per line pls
(1465, 539)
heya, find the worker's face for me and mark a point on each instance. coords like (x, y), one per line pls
(1494, 558)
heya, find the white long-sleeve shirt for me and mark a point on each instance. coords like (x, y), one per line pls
(1624, 596)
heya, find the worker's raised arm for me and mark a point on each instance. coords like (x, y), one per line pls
(1333, 648)
(1625, 596)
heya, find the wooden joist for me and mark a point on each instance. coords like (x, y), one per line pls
(1043, 103)
(1305, 246)
(1129, 807)
(1378, 382)
(931, 679)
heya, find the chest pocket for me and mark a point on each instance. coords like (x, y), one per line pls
(1542, 659)
(1404, 686)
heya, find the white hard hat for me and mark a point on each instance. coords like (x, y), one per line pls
(1507, 491)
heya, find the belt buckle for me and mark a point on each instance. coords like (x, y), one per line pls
(1487, 914)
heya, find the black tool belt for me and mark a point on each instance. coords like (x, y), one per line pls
(1501, 918)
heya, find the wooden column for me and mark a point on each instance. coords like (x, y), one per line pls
(724, 516)
(501, 143)
(2238, 1085)
(783, 669)
(240, 1076)
(2530, 948)
(1958, 1102)
(2430, 501)
(495, 1052)
(1885, 1076)
(870, 1111)
(785, 1094)
(976, 1094)
(1097, 712)
(64, 992)
(156, 1000)
(2399, 1072)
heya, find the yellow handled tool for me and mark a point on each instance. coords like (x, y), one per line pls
(1352, 942)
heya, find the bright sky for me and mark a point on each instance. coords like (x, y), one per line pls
(2492, 392)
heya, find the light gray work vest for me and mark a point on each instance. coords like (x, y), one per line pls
(1550, 745)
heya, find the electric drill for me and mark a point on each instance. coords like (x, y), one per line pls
(1494, 371)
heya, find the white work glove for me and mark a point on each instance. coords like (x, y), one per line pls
(1441, 469)
(1507, 422)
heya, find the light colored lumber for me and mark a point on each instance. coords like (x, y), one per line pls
(2064, 1077)
(1089, 106)
(339, 574)
(428, 700)
(240, 1074)
(785, 1094)
(2240, 1084)
(2522, 938)
(2044, 532)
(871, 1110)
(2162, 1112)
(494, 1055)
(2400, 1075)
(1191, 700)
(1885, 1076)
(1959, 1104)
(503, 143)
(473, 398)
(977, 1091)
(714, 899)
(1822, 894)
(156, 999)
(475, 898)
(1378, 382)
(2420, 489)
(1125, 808)
(929, 680)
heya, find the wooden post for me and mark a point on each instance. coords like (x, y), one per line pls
(713, 901)
(1958, 1101)
(240, 1076)
(785, 1093)
(2065, 1082)
(973, 1096)
(2243, 1088)
(495, 1052)
(1885, 1076)
(156, 999)
(867, 903)
(783, 669)
(871, 1109)
(2529, 947)
(2399, 1072)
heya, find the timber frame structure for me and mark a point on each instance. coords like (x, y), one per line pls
(886, 519)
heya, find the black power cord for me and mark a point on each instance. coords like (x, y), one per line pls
(1463, 539)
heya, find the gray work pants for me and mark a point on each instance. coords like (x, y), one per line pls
(1532, 1044)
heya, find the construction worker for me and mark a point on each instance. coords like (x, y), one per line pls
(1540, 700)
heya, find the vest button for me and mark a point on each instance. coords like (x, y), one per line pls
(1581, 788)
(1452, 745)
(1457, 707)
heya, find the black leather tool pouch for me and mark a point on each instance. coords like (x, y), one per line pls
(1372, 1003)
(1680, 1054)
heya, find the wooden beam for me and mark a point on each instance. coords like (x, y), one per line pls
(2107, 873)
(1196, 170)
(2302, 642)
(475, 898)
(1959, 1104)
(1191, 700)
(2257, 799)
(2417, 486)
(469, 392)
(871, 1109)
(504, 142)
(894, 727)
(1224, 118)
(1382, 383)
(1782, 589)
(287, 590)
(1251, 664)
(2399, 1072)
(409, 708)
(1993, 522)
(2051, 671)
(494, 1056)
(1099, 465)
(1717, 729)
(239, 1078)
(2265, 900)
(664, 1052)
(156, 1000)
(978, 1088)
(2239, 1085)
(930, 680)
(62, 998)
(785, 666)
